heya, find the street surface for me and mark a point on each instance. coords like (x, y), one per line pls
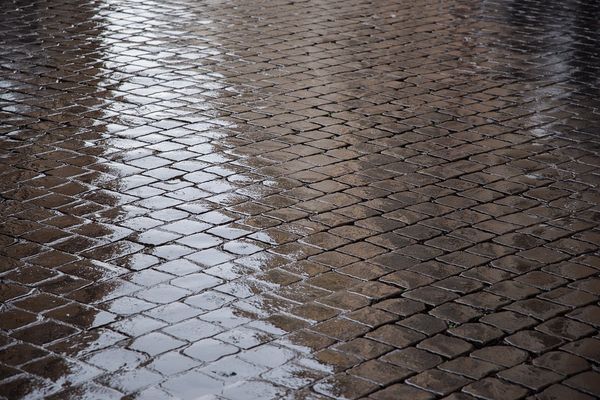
(300, 200)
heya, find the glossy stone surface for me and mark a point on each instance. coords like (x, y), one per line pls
(299, 200)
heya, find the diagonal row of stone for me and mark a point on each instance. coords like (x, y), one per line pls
(299, 200)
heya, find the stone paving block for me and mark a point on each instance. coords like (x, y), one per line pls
(412, 358)
(396, 336)
(502, 355)
(586, 348)
(344, 386)
(380, 372)
(585, 382)
(494, 389)
(469, 367)
(561, 362)
(437, 381)
(536, 342)
(529, 376)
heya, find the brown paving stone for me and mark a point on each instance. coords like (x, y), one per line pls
(7, 372)
(561, 362)
(20, 354)
(24, 387)
(15, 318)
(537, 308)
(54, 368)
(541, 280)
(376, 290)
(312, 340)
(424, 323)
(10, 291)
(403, 307)
(562, 392)
(437, 381)
(501, 355)
(446, 346)
(589, 314)
(337, 360)
(345, 300)
(569, 297)
(513, 290)
(469, 367)
(586, 348)
(534, 341)
(565, 328)
(341, 329)
(412, 358)
(365, 348)
(333, 281)
(476, 332)
(345, 386)
(430, 295)
(406, 279)
(456, 313)
(530, 376)
(586, 382)
(380, 372)
(372, 317)
(483, 300)
(364, 270)
(314, 311)
(44, 332)
(395, 335)
(508, 321)
(81, 316)
(494, 389)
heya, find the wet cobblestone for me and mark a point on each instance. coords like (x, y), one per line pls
(299, 199)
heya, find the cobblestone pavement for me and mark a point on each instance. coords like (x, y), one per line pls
(299, 199)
